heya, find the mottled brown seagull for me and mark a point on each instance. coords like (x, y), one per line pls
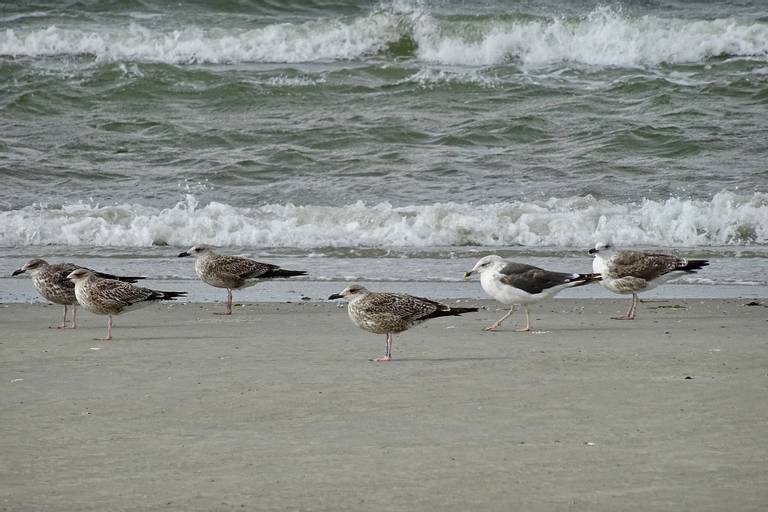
(391, 313)
(233, 272)
(112, 297)
(636, 271)
(52, 283)
(515, 284)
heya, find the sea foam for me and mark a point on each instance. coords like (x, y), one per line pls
(605, 37)
(321, 40)
(726, 219)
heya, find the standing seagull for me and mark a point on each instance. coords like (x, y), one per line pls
(233, 272)
(112, 297)
(516, 283)
(52, 283)
(388, 313)
(635, 271)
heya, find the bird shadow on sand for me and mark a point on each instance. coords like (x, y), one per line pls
(447, 359)
(563, 330)
(182, 338)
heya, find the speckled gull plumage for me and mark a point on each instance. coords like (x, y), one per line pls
(391, 313)
(50, 280)
(632, 272)
(111, 297)
(233, 272)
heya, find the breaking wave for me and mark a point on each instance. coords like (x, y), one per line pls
(726, 219)
(605, 37)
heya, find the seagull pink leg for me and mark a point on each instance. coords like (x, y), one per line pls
(630, 314)
(63, 324)
(387, 351)
(498, 322)
(527, 327)
(74, 316)
(228, 306)
(634, 306)
(109, 330)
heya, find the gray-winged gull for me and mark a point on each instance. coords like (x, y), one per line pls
(515, 284)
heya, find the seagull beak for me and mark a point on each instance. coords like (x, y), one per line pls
(592, 251)
(183, 254)
(467, 274)
(335, 296)
(18, 271)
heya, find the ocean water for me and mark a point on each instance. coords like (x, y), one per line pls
(389, 142)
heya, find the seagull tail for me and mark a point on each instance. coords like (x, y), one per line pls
(125, 279)
(448, 311)
(583, 279)
(692, 265)
(459, 311)
(161, 295)
(280, 272)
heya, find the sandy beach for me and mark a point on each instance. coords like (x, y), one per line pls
(279, 408)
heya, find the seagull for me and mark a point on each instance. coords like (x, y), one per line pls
(233, 272)
(636, 271)
(517, 283)
(52, 283)
(112, 297)
(388, 313)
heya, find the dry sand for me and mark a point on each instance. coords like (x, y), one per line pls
(279, 408)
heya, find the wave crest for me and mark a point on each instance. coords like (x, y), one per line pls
(605, 37)
(726, 219)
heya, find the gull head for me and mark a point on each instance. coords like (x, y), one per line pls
(604, 248)
(492, 262)
(197, 250)
(32, 266)
(350, 292)
(79, 274)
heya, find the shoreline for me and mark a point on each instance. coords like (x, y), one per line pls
(279, 408)
(20, 290)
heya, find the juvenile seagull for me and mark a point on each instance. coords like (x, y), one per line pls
(516, 283)
(112, 297)
(635, 271)
(388, 313)
(233, 272)
(52, 283)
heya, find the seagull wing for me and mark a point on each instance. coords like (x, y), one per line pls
(119, 293)
(532, 279)
(57, 274)
(405, 307)
(644, 265)
(242, 268)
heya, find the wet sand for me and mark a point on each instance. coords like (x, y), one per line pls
(279, 408)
